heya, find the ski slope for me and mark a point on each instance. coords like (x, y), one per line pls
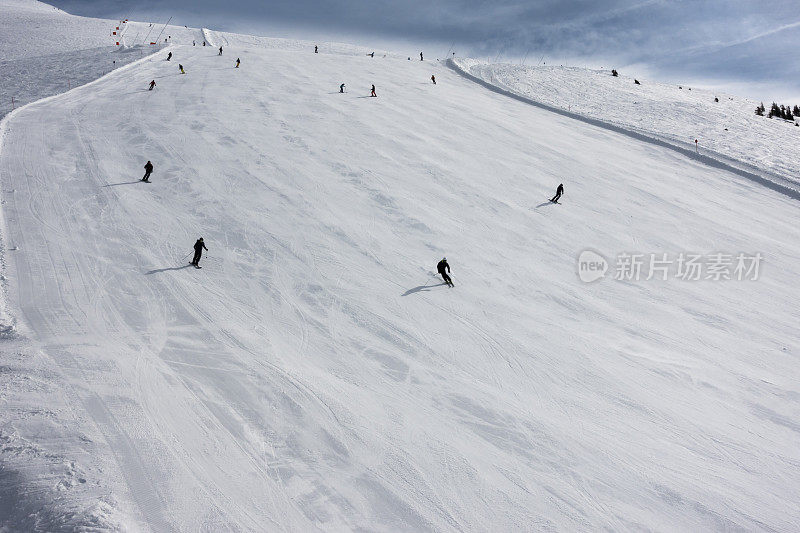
(727, 130)
(315, 374)
(45, 51)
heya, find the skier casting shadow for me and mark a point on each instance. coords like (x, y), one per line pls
(199, 246)
(148, 169)
(559, 192)
(443, 269)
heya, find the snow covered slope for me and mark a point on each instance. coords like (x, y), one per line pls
(45, 51)
(728, 130)
(316, 375)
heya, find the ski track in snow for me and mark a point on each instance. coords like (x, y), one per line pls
(315, 374)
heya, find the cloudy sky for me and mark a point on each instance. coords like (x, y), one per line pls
(748, 47)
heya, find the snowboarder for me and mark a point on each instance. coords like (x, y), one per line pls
(420, 56)
(559, 192)
(433, 79)
(199, 246)
(237, 62)
(316, 50)
(341, 88)
(373, 91)
(443, 269)
(180, 67)
(148, 169)
(152, 84)
(169, 56)
(220, 50)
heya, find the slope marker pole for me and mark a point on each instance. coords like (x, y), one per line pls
(158, 39)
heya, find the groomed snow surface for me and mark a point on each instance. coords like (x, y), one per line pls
(316, 374)
(45, 51)
(727, 130)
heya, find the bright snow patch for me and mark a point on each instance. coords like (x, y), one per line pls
(679, 114)
(316, 374)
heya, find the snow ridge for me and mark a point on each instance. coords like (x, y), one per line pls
(510, 80)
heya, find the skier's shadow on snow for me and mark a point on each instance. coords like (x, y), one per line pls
(156, 271)
(123, 183)
(422, 288)
(544, 204)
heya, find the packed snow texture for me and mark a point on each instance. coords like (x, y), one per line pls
(728, 129)
(316, 374)
(45, 51)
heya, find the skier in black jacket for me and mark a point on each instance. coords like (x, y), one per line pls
(443, 269)
(148, 169)
(199, 246)
(559, 192)
(169, 56)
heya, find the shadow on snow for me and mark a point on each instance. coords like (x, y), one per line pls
(156, 271)
(422, 288)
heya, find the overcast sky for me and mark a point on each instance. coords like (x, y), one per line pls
(750, 47)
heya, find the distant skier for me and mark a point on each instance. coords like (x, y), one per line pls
(194, 43)
(148, 169)
(199, 246)
(559, 192)
(373, 91)
(204, 43)
(371, 54)
(420, 56)
(169, 56)
(316, 50)
(152, 84)
(237, 62)
(341, 88)
(220, 50)
(180, 67)
(433, 79)
(443, 269)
